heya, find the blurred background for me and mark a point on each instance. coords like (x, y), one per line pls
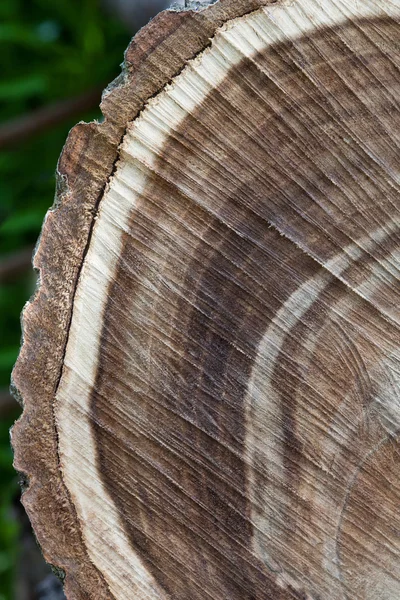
(55, 58)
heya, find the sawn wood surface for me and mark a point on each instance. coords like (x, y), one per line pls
(211, 365)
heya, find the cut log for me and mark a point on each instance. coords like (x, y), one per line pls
(210, 367)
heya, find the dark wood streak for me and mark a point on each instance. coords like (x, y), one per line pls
(171, 444)
(211, 411)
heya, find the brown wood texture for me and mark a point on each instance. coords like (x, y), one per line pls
(210, 367)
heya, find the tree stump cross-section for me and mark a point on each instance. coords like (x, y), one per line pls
(210, 366)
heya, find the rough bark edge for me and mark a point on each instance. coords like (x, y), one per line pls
(154, 57)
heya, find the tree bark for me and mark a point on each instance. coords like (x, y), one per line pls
(210, 369)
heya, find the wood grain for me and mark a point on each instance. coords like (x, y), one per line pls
(212, 365)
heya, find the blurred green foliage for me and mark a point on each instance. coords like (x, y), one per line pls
(48, 51)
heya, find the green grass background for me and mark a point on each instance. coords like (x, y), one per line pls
(49, 50)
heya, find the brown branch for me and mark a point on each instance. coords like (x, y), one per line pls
(27, 126)
(8, 404)
(13, 265)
